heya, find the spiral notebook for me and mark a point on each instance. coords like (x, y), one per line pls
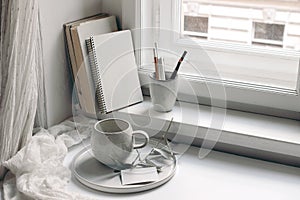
(114, 70)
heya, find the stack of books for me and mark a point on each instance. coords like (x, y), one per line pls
(98, 55)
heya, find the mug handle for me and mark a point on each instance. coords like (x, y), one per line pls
(143, 133)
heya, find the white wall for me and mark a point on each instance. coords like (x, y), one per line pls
(113, 7)
(124, 10)
(54, 13)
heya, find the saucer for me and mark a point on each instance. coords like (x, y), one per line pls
(93, 174)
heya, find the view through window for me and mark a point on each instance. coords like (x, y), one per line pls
(274, 23)
(250, 41)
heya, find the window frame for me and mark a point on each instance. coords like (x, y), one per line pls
(239, 96)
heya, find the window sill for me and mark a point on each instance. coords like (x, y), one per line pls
(218, 176)
(253, 135)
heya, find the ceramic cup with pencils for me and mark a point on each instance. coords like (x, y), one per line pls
(163, 92)
(164, 85)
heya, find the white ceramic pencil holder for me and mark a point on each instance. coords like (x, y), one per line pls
(163, 92)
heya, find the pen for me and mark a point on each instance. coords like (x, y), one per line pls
(161, 69)
(156, 49)
(156, 63)
(178, 65)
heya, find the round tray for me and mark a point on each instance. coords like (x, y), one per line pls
(93, 174)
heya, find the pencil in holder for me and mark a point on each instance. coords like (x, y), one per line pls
(163, 92)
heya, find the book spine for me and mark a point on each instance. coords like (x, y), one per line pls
(96, 75)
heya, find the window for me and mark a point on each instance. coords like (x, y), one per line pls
(163, 22)
(274, 23)
(196, 26)
(268, 34)
(248, 49)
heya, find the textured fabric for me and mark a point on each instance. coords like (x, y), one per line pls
(41, 112)
(38, 166)
(21, 75)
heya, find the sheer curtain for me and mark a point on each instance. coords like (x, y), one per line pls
(22, 103)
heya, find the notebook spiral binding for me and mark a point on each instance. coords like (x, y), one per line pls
(96, 75)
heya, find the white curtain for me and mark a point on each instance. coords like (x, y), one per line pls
(21, 76)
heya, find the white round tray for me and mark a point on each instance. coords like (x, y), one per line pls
(93, 174)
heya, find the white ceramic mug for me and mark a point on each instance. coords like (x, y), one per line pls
(113, 141)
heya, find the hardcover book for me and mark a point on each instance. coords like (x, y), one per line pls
(76, 34)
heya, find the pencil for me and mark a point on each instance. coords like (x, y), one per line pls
(156, 64)
(178, 65)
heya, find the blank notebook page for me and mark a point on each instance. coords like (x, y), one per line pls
(118, 70)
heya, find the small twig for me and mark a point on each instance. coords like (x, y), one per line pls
(153, 149)
(164, 138)
(137, 157)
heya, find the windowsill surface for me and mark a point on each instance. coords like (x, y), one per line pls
(217, 176)
(255, 131)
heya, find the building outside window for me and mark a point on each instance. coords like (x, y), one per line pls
(244, 22)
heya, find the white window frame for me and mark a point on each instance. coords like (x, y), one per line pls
(240, 96)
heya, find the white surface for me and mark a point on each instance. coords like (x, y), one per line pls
(57, 76)
(113, 7)
(218, 176)
(234, 121)
(90, 173)
(238, 128)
